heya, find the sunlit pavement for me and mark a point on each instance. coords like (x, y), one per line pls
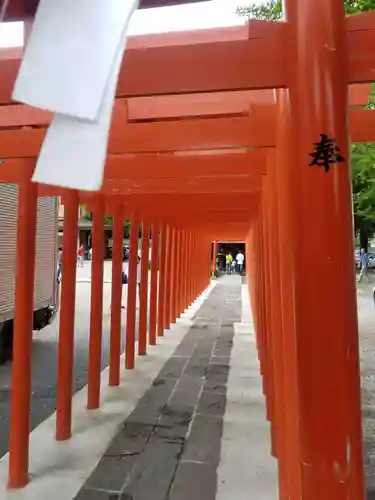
(84, 273)
(44, 360)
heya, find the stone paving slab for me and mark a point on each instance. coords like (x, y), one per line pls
(169, 446)
(247, 471)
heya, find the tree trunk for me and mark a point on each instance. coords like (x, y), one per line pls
(363, 239)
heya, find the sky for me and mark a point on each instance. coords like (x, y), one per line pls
(215, 13)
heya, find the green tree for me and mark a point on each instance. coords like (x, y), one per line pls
(363, 182)
(108, 220)
(353, 6)
(362, 154)
(271, 10)
(363, 178)
(268, 11)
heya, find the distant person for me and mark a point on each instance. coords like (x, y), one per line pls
(228, 261)
(80, 255)
(124, 275)
(125, 252)
(221, 261)
(139, 266)
(240, 260)
(364, 265)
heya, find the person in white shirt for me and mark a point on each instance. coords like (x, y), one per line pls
(124, 274)
(240, 260)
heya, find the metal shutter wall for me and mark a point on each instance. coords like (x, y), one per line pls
(8, 237)
(46, 252)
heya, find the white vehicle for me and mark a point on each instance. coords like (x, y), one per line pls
(371, 260)
(46, 291)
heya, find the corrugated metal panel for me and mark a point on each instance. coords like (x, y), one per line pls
(8, 237)
(46, 250)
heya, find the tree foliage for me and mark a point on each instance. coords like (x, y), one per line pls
(108, 221)
(353, 6)
(363, 177)
(268, 11)
(271, 10)
(363, 182)
(362, 154)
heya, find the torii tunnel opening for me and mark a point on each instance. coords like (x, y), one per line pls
(221, 139)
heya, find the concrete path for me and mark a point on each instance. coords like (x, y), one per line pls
(188, 423)
(171, 444)
(247, 470)
(84, 272)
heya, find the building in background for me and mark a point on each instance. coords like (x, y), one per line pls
(84, 229)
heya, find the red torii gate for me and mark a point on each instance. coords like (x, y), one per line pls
(307, 338)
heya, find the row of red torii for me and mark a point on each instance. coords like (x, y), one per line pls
(200, 150)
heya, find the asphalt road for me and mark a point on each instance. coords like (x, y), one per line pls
(44, 362)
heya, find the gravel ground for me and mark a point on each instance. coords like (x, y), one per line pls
(366, 315)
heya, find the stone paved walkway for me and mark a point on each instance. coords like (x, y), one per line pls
(169, 446)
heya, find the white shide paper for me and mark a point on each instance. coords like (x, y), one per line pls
(70, 53)
(71, 67)
(74, 151)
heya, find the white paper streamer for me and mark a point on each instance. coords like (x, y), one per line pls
(71, 67)
(70, 53)
(74, 151)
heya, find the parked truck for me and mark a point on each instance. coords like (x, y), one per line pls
(46, 288)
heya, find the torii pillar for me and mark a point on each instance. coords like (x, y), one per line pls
(316, 205)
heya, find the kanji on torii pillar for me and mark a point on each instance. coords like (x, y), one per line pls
(315, 212)
(315, 353)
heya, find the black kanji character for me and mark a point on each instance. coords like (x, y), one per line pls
(326, 153)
